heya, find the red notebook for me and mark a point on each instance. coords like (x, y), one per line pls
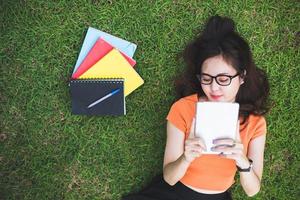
(99, 50)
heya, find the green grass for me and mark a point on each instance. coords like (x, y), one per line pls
(47, 153)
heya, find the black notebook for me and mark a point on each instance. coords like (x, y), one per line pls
(98, 96)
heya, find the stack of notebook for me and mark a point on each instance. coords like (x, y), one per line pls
(104, 75)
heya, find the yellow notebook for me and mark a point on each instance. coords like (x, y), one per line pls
(114, 65)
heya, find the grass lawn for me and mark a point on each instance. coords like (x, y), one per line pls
(48, 153)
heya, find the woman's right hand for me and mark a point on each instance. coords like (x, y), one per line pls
(193, 146)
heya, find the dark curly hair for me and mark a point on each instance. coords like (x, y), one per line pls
(220, 38)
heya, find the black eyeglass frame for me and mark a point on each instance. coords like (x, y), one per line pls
(215, 77)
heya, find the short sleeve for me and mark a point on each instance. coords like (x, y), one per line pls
(176, 116)
(260, 128)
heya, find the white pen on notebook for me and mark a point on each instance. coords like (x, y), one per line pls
(103, 98)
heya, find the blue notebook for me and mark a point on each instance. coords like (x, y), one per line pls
(98, 97)
(93, 35)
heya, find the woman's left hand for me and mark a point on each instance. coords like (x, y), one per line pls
(233, 149)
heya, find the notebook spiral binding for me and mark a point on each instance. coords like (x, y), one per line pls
(98, 80)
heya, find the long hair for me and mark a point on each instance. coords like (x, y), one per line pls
(220, 38)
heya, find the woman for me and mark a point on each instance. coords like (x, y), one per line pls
(220, 68)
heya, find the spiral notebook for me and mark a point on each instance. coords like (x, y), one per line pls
(98, 96)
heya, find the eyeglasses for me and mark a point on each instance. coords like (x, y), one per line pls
(221, 79)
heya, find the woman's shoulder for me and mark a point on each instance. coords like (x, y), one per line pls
(183, 111)
(255, 119)
(186, 105)
(257, 125)
(191, 99)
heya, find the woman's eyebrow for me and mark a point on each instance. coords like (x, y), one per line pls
(224, 73)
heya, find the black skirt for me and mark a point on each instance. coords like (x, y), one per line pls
(158, 189)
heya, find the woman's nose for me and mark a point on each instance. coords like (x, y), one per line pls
(214, 85)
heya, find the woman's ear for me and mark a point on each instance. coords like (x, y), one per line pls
(243, 77)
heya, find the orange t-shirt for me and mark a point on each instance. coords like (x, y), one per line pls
(211, 172)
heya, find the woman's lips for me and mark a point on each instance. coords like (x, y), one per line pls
(216, 97)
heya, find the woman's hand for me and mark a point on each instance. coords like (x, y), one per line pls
(193, 146)
(233, 149)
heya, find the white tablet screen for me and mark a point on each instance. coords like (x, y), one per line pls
(216, 120)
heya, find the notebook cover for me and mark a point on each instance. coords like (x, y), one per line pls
(113, 65)
(100, 49)
(85, 92)
(92, 36)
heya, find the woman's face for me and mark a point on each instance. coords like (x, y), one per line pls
(217, 66)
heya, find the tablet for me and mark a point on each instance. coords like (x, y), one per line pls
(216, 120)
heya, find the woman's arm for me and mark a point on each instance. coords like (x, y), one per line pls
(179, 153)
(250, 181)
(175, 165)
